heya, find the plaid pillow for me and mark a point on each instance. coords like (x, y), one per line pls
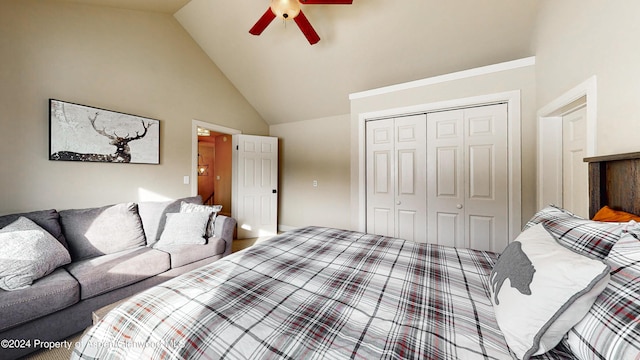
(551, 212)
(587, 237)
(611, 329)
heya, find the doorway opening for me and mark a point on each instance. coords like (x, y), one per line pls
(252, 165)
(214, 169)
(550, 167)
(212, 164)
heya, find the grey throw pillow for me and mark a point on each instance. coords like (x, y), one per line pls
(28, 253)
(47, 219)
(184, 228)
(99, 231)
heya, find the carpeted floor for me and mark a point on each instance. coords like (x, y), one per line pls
(55, 354)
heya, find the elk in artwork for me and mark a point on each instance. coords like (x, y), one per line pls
(122, 153)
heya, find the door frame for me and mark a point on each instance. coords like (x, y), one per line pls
(194, 147)
(512, 98)
(549, 140)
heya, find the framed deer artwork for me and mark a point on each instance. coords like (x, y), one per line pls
(85, 133)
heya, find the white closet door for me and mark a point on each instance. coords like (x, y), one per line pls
(445, 162)
(396, 177)
(380, 177)
(411, 178)
(487, 215)
(468, 178)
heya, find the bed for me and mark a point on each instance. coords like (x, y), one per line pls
(324, 293)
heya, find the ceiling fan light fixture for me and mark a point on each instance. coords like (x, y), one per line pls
(285, 9)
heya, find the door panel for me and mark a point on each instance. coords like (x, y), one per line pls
(575, 172)
(396, 177)
(481, 172)
(445, 184)
(468, 198)
(382, 223)
(481, 232)
(255, 185)
(447, 168)
(407, 225)
(411, 175)
(486, 205)
(382, 173)
(380, 177)
(406, 172)
(447, 229)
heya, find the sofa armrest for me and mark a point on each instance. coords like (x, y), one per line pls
(224, 227)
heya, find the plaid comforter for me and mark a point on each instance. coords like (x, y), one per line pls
(314, 293)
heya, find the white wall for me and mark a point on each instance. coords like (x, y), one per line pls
(311, 150)
(577, 39)
(135, 62)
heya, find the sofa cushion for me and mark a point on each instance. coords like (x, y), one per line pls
(46, 219)
(108, 272)
(28, 253)
(154, 215)
(187, 254)
(49, 294)
(105, 230)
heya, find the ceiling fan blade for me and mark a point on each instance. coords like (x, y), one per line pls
(326, 2)
(263, 22)
(307, 29)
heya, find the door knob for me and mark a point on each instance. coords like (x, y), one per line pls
(398, 202)
(459, 206)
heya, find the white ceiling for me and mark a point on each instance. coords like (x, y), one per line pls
(163, 6)
(370, 44)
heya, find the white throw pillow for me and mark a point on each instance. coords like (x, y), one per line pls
(212, 210)
(540, 290)
(183, 229)
(28, 253)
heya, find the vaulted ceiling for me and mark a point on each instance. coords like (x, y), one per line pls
(370, 44)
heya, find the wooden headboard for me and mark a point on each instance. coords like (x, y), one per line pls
(614, 180)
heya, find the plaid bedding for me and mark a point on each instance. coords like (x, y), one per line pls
(314, 293)
(611, 329)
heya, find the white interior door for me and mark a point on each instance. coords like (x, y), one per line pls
(380, 177)
(396, 177)
(445, 184)
(255, 185)
(411, 178)
(575, 172)
(486, 207)
(468, 178)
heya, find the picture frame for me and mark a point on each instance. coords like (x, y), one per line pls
(85, 133)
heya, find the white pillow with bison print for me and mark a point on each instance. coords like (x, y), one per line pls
(540, 290)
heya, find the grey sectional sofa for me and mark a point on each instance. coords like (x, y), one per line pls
(116, 251)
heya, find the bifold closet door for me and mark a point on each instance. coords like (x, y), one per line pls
(468, 178)
(396, 177)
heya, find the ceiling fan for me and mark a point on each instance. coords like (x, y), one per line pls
(290, 9)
